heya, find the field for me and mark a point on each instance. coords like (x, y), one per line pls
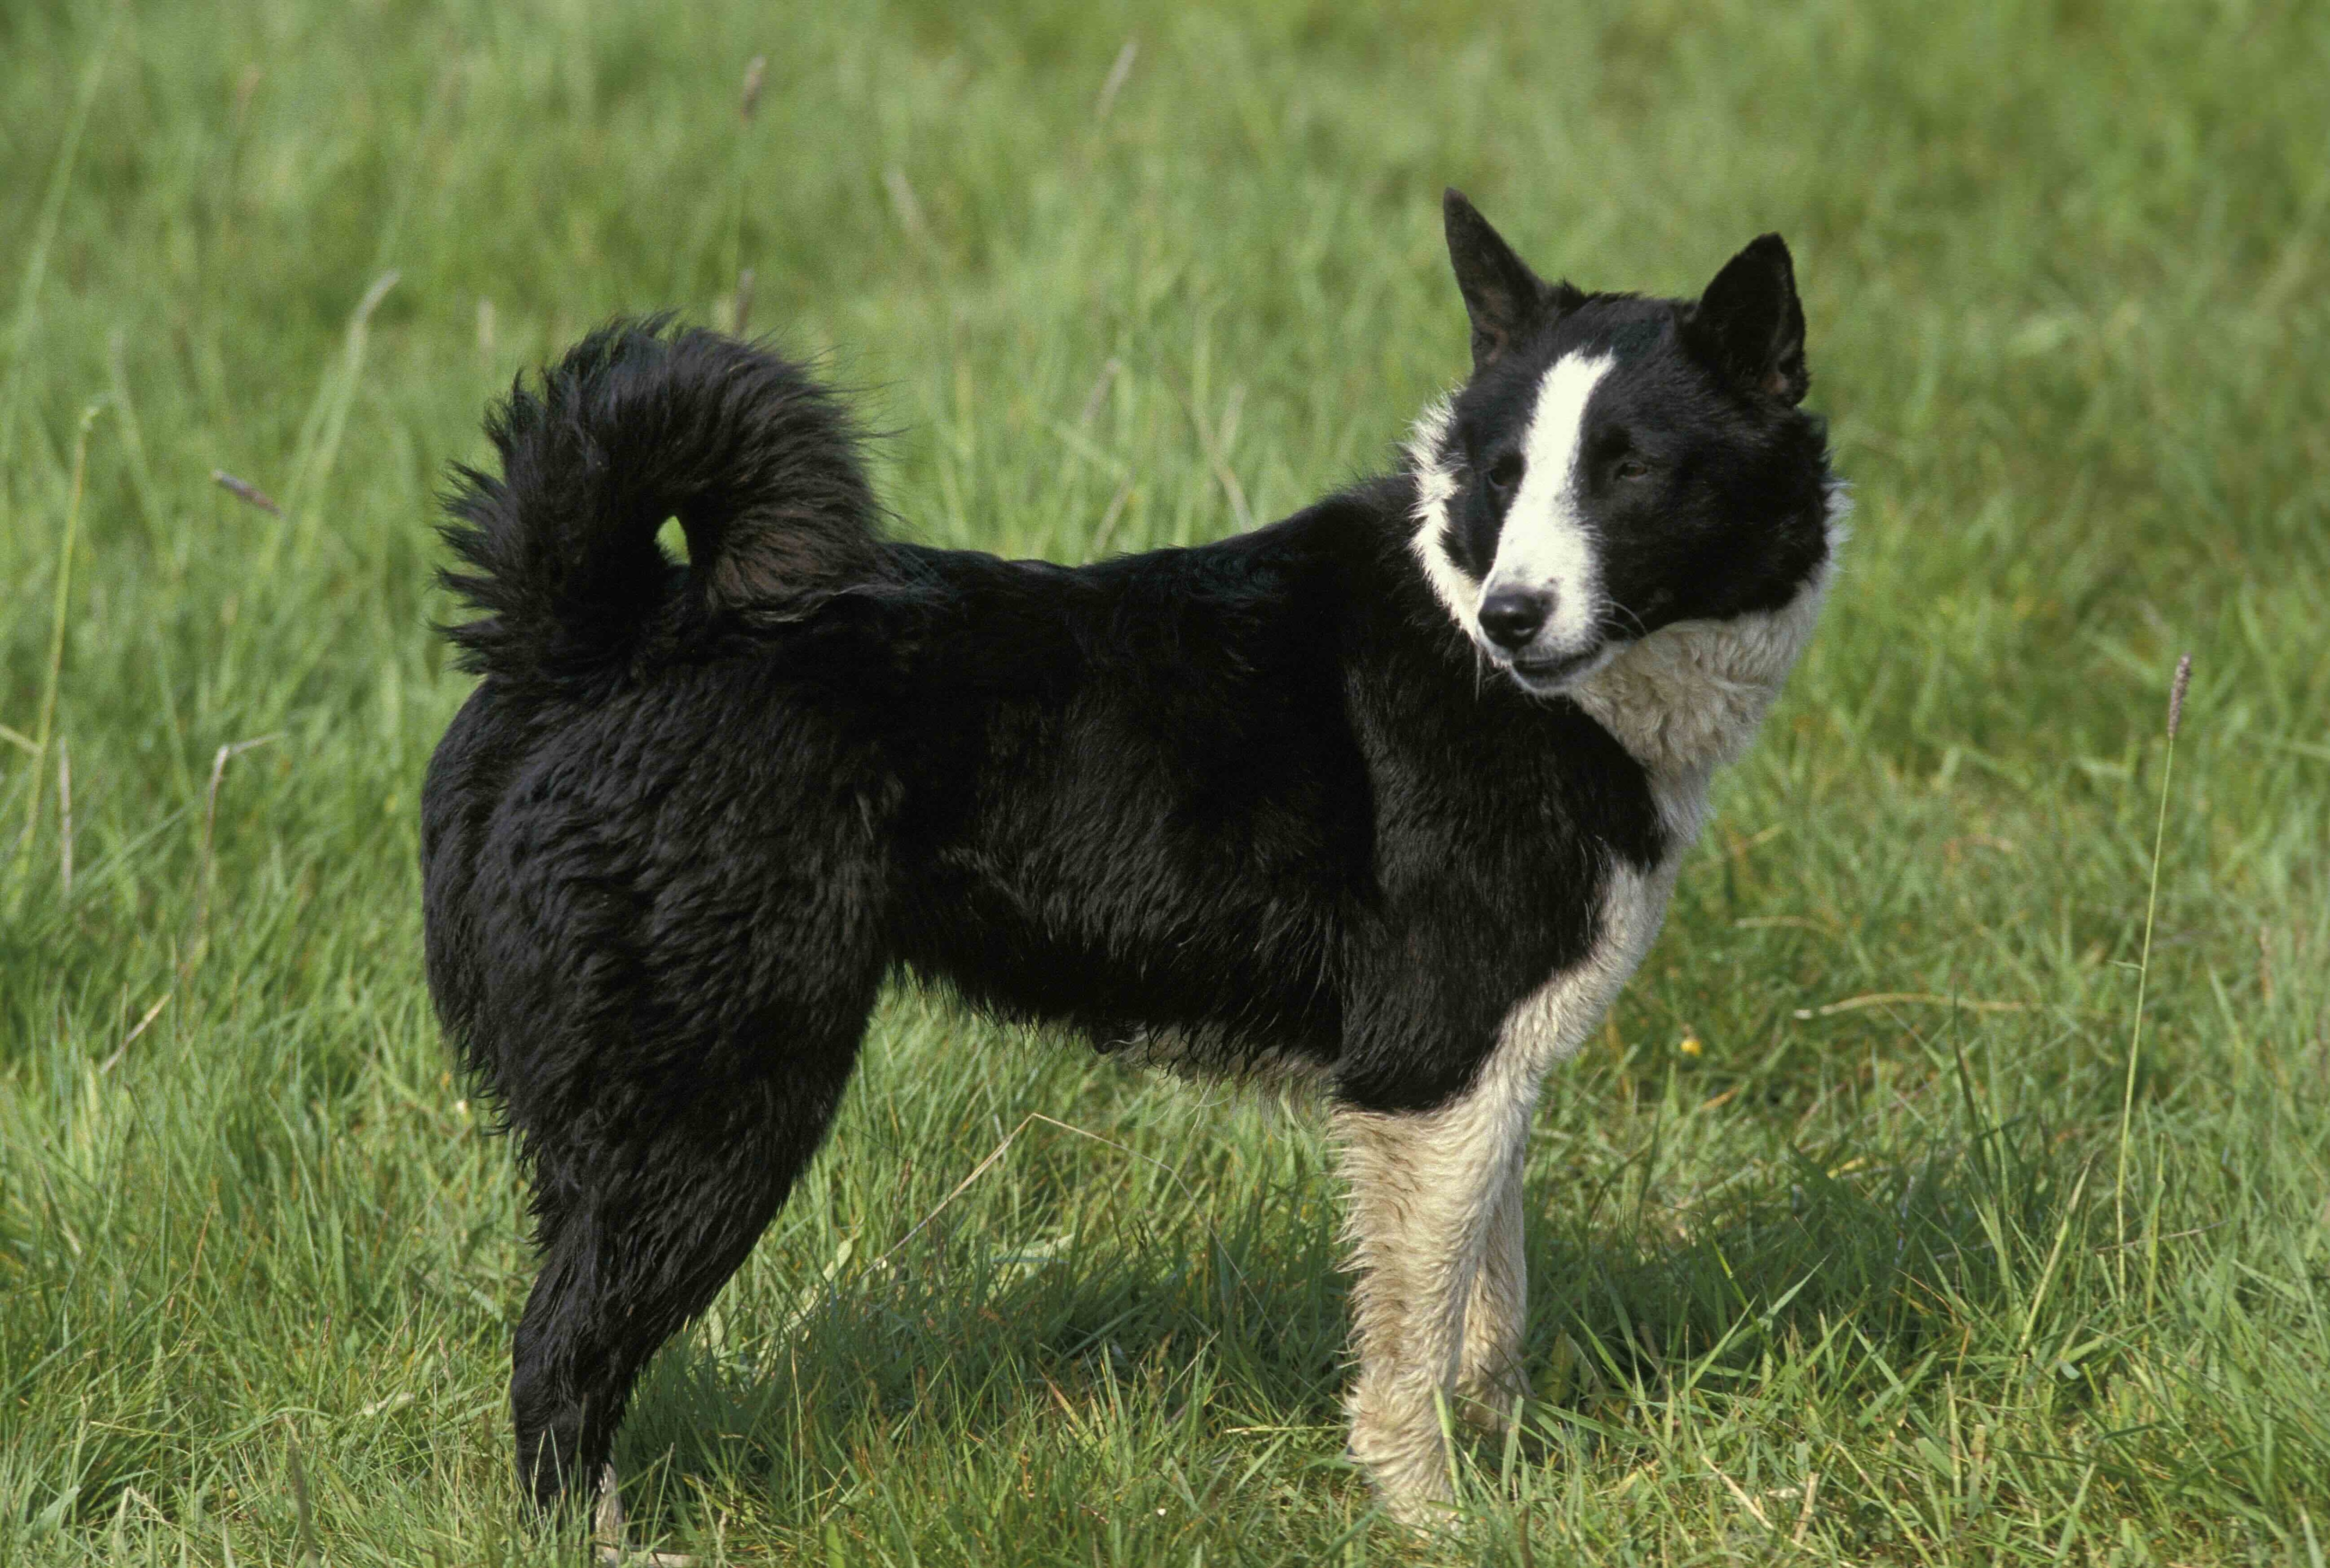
(1873, 1229)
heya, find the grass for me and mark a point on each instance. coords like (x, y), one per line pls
(1818, 1277)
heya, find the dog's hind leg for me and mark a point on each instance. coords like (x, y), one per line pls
(1433, 1208)
(639, 1228)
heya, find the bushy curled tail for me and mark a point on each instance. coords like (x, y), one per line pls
(640, 423)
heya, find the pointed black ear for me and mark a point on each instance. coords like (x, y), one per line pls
(1750, 325)
(1502, 295)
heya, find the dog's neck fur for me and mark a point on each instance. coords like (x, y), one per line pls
(1688, 698)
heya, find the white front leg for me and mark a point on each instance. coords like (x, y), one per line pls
(1435, 1220)
(1434, 1227)
(1489, 1372)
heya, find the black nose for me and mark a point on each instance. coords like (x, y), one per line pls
(1512, 617)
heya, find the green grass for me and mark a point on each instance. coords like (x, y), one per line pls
(1833, 1282)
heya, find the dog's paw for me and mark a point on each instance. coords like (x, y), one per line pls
(607, 1523)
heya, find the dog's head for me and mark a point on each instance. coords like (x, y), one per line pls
(1617, 463)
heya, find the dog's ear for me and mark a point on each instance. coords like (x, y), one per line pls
(1749, 324)
(1502, 295)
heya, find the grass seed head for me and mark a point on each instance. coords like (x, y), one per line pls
(243, 490)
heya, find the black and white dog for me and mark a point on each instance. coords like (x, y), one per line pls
(1390, 793)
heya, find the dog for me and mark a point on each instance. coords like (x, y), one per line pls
(1389, 794)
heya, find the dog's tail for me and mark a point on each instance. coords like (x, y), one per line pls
(640, 423)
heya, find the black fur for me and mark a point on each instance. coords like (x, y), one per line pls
(1502, 297)
(1255, 800)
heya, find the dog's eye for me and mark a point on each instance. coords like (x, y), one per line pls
(1505, 472)
(1631, 469)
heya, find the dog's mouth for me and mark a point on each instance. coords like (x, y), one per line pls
(1548, 677)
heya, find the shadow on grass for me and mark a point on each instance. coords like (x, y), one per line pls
(1238, 1322)
(1897, 1251)
(1840, 1270)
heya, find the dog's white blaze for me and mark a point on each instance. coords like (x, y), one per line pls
(1544, 544)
